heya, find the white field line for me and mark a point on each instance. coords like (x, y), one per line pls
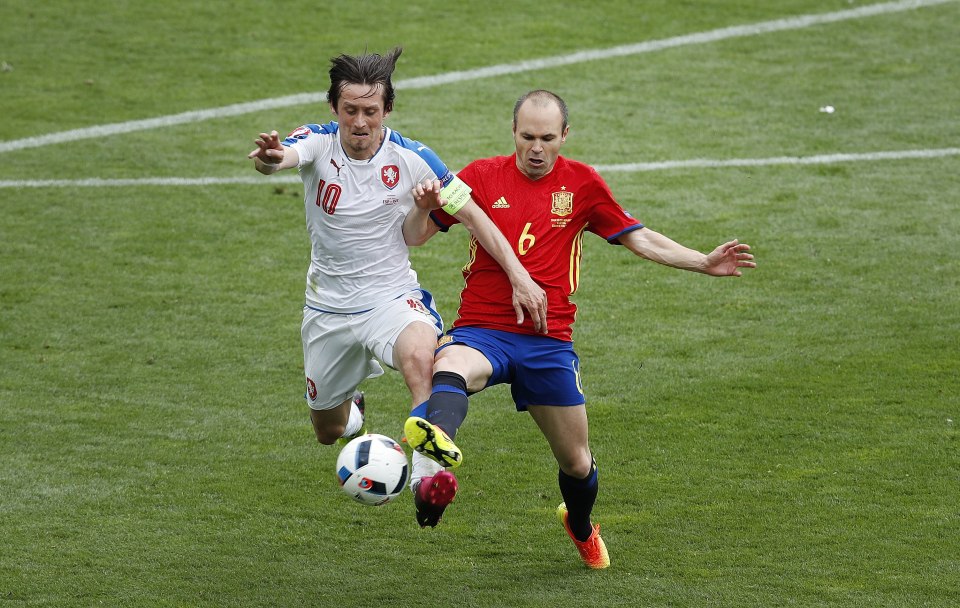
(766, 27)
(821, 159)
(700, 163)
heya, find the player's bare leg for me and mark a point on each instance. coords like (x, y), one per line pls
(413, 358)
(566, 430)
(332, 424)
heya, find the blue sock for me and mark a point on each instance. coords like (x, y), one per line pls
(448, 403)
(420, 411)
(579, 494)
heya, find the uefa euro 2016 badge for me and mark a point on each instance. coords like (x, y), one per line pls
(390, 176)
(562, 203)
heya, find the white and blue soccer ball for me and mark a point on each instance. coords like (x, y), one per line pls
(372, 469)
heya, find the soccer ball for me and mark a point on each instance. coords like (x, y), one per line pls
(372, 469)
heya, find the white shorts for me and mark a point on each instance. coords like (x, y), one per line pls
(341, 350)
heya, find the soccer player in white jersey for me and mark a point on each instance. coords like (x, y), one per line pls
(363, 300)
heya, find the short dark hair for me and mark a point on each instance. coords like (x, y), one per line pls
(371, 69)
(543, 97)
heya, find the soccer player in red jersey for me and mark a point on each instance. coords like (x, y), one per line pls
(543, 203)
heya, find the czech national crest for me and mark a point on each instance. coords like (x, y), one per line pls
(390, 176)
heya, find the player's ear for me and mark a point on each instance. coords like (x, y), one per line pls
(333, 110)
(563, 136)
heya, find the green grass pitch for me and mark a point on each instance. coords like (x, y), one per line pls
(788, 438)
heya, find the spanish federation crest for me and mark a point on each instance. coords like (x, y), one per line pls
(562, 203)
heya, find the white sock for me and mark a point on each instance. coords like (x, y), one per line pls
(423, 467)
(355, 422)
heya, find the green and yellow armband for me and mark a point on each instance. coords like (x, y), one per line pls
(456, 193)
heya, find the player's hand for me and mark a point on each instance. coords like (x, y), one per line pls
(269, 149)
(529, 296)
(727, 259)
(427, 195)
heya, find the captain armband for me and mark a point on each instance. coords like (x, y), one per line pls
(456, 193)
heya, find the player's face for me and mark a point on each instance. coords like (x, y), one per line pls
(538, 134)
(360, 114)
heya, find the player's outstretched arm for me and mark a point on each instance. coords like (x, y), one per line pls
(725, 260)
(271, 156)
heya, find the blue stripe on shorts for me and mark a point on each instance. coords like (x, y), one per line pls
(427, 299)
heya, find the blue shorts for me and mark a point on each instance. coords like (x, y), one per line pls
(540, 370)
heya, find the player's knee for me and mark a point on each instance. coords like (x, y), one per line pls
(417, 368)
(421, 359)
(578, 466)
(415, 346)
(578, 472)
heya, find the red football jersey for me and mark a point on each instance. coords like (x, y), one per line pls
(544, 221)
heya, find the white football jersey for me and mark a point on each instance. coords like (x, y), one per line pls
(355, 210)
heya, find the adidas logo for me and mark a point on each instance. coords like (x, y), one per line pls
(501, 204)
